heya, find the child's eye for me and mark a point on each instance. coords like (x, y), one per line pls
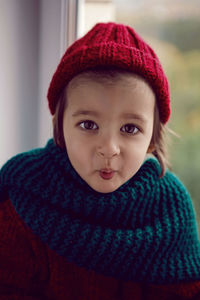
(130, 128)
(88, 125)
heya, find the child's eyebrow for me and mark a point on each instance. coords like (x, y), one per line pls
(134, 116)
(85, 112)
(129, 115)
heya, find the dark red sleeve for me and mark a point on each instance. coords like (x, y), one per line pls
(190, 290)
(20, 274)
(181, 291)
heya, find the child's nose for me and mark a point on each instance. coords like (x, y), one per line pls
(108, 147)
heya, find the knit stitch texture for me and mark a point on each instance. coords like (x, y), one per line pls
(145, 231)
(112, 45)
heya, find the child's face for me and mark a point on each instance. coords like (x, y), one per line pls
(108, 129)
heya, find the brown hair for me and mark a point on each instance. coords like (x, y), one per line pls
(158, 147)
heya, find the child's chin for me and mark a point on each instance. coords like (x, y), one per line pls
(104, 189)
(104, 186)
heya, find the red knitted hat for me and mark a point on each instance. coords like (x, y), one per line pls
(112, 45)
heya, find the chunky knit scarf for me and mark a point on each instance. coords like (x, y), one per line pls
(144, 231)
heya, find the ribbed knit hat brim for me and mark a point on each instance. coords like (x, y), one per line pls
(112, 45)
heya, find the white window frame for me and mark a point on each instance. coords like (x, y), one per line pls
(71, 22)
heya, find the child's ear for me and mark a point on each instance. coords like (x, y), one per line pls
(151, 148)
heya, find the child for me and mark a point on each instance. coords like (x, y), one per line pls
(89, 216)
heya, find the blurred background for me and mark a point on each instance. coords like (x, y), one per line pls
(35, 33)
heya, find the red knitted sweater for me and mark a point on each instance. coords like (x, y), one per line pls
(29, 270)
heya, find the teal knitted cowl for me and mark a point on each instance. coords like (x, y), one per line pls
(145, 231)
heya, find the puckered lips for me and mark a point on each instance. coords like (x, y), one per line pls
(107, 173)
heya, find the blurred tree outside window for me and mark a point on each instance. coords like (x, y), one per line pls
(172, 28)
